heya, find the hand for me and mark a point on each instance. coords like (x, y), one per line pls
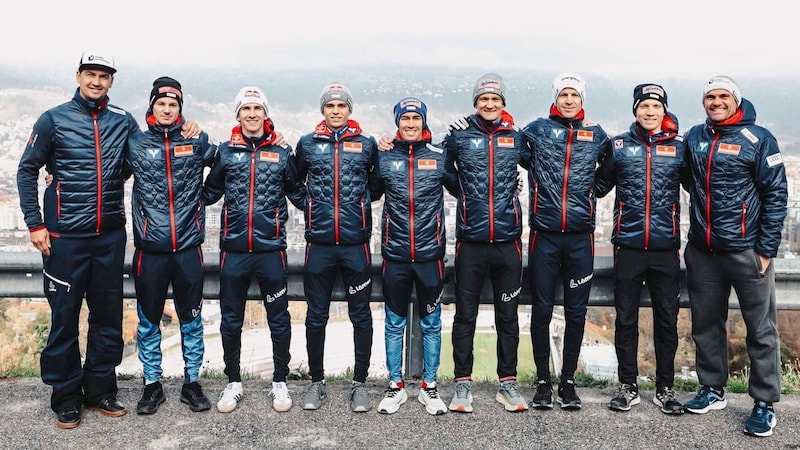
(190, 129)
(48, 179)
(520, 184)
(765, 262)
(280, 139)
(41, 240)
(385, 143)
(588, 123)
(462, 123)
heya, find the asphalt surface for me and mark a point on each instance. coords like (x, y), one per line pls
(26, 422)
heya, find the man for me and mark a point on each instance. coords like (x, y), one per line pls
(645, 165)
(252, 172)
(334, 163)
(81, 237)
(169, 228)
(483, 151)
(414, 240)
(564, 150)
(738, 203)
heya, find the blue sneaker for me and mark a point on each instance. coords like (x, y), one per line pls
(707, 399)
(762, 420)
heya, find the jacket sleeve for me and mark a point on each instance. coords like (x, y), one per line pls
(214, 185)
(377, 186)
(295, 192)
(450, 169)
(298, 170)
(209, 148)
(605, 177)
(34, 157)
(770, 175)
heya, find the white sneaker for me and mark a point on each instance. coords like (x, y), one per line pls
(229, 398)
(429, 396)
(281, 401)
(392, 399)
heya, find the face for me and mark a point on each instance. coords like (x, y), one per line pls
(719, 105)
(336, 114)
(569, 103)
(252, 117)
(94, 84)
(489, 106)
(166, 110)
(410, 126)
(649, 114)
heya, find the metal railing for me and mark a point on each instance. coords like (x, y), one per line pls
(21, 276)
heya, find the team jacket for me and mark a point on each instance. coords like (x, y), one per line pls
(336, 176)
(484, 158)
(82, 144)
(254, 177)
(412, 175)
(563, 154)
(167, 205)
(646, 170)
(738, 193)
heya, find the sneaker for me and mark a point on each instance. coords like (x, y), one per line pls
(392, 398)
(429, 396)
(462, 399)
(707, 399)
(567, 397)
(762, 420)
(229, 398)
(281, 401)
(627, 396)
(152, 397)
(68, 417)
(314, 395)
(665, 398)
(359, 397)
(509, 396)
(543, 399)
(192, 394)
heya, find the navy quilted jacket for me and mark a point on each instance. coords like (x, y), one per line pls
(82, 144)
(739, 193)
(253, 176)
(167, 207)
(563, 154)
(484, 158)
(336, 175)
(646, 170)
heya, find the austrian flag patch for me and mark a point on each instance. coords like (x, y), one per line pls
(584, 135)
(426, 164)
(729, 149)
(505, 142)
(665, 150)
(270, 157)
(183, 150)
(351, 147)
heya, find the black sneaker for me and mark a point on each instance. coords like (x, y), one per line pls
(627, 396)
(567, 397)
(543, 399)
(665, 398)
(152, 397)
(192, 395)
(68, 417)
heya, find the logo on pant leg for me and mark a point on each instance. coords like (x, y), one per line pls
(573, 283)
(355, 289)
(508, 296)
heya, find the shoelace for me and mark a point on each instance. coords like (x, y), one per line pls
(281, 394)
(392, 392)
(462, 390)
(512, 390)
(432, 393)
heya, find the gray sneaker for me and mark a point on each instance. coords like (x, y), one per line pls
(462, 399)
(359, 397)
(509, 396)
(314, 395)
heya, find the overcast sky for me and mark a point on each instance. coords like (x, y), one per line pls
(678, 38)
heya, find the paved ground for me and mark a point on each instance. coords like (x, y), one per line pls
(26, 422)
